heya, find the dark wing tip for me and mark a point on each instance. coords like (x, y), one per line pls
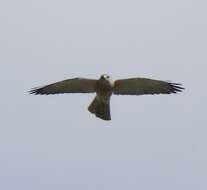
(37, 91)
(175, 87)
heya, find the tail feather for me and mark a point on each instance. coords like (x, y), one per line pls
(100, 108)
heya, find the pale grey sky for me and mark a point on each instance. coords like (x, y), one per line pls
(152, 142)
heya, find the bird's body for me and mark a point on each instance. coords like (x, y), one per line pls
(100, 106)
(104, 87)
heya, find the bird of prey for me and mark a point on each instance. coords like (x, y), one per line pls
(104, 87)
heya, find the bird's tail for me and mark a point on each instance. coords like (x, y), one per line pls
(100, 108)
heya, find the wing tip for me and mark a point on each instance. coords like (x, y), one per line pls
(37, 91)
(175, 88)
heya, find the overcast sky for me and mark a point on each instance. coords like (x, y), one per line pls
(152, 142)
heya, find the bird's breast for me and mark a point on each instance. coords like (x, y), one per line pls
(104, 90)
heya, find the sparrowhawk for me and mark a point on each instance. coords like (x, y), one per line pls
(104, 87)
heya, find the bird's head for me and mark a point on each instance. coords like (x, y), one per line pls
(105, 77)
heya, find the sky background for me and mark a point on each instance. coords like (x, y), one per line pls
(152, 142)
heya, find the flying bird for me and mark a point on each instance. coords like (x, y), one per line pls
(104, 87)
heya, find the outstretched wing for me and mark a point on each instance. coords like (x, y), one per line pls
(75, 85)
(140, 86)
